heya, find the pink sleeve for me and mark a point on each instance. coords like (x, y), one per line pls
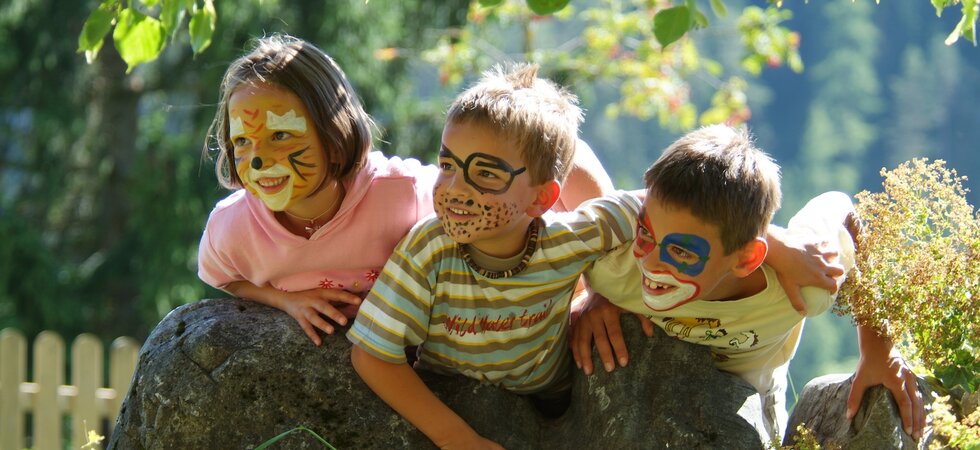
(424, 182)
(211, 267)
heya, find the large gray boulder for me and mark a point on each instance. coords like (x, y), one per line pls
(822, 408)
(232, 374)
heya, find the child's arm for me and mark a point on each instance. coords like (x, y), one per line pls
(587, 179)
(881, 363)
(402, 389)
(306, 307)
(800, 263)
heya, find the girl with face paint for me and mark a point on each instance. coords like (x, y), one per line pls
(315, 214)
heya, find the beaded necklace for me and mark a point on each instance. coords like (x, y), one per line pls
(529, 248)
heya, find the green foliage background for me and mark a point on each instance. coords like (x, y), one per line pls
(103, 190)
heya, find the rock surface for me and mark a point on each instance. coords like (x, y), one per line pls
(232, 374)
(822, 407)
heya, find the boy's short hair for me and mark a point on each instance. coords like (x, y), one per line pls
(291, 63)
(722, 178)
(540, 117)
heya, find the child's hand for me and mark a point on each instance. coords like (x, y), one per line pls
(308, 308)
(801, 263)
(881, 363)
(596, 318)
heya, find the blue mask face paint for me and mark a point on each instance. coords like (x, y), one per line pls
(687, 252)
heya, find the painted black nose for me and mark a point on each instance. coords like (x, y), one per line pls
(256, 163)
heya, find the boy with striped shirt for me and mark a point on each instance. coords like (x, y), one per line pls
(484, 287)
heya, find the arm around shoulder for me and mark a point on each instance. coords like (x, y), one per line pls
(815, 250)
(587, 179)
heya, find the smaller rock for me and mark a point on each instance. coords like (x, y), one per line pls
(822, 408)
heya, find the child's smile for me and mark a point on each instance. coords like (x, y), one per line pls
(662, 291)
(453, 210)
(271, 185)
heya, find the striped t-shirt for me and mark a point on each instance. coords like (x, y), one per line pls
(511, 331)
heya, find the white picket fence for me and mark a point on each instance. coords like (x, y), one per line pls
(47, 398)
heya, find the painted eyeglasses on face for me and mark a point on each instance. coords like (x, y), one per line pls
(688, 253)
(487, 174)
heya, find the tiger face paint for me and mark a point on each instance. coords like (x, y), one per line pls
(278, 155)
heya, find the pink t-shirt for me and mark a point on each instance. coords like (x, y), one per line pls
(243, 240)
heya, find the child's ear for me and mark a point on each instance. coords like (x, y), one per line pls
(750, 257)
(547, 195)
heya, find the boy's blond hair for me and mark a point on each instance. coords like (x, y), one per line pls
(722, 178)
(538, 116)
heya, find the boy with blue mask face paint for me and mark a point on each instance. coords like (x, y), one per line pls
(696, 270)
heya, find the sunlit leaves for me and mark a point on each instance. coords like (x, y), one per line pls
(718, 6)
(769, 44)
(617, 45)
(967, 26)
(940, 5)
(138, 38)
(729, 104)
(545, 7)
(201, 26)
(918, 279)
(671, 23)
(94, 31)
(170, 12)
(919, 266)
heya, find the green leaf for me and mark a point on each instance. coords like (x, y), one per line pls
(939, 5)
(150, 3)
(545, 7)
(670, 24)
(276, 438)
(970, 8)
(96, 27)
(489, 3)
(955, 34)
(718, 6)
(700, 19)
(794, 62)
(138, 38)
(170, 12)
(201, 27)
